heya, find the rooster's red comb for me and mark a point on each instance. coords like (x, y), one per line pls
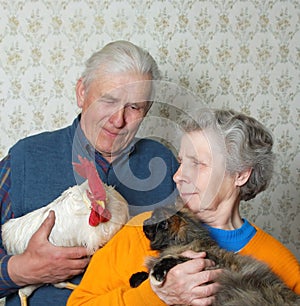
(87, 170)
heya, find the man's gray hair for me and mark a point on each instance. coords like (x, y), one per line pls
(119, 57)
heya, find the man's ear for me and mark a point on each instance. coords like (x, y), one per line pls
(242, 177)
(80, 93)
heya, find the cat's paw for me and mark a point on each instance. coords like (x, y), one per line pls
(161, 268)
(137, 278)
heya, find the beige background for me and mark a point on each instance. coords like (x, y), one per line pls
(241, 54)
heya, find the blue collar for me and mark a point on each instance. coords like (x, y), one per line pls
(233, 240)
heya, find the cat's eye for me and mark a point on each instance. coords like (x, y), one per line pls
(162, 226)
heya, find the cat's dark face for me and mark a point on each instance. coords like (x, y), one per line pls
(167, 227)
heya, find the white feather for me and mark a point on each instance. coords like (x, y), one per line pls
(71, 224)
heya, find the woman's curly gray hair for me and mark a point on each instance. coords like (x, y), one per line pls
(248, 145)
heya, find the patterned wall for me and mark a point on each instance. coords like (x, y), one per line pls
(240, 54)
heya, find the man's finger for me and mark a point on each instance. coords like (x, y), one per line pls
(47, 225)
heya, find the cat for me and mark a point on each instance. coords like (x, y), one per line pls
(244, 280)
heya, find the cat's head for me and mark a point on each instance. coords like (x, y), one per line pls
(169, 226)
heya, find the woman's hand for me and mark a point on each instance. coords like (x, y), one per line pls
(188, 283)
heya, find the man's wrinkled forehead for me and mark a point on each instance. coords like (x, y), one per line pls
(133, 92)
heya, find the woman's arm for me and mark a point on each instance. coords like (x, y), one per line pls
(106, 281)
(282, 262)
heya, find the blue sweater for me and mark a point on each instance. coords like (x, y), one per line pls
(41, 169)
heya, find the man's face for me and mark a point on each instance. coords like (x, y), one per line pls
(112, 109)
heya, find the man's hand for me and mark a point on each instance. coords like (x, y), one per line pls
(188, 283)
(42, 262)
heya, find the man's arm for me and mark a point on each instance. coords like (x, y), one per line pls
(6, 284)
(41, 262)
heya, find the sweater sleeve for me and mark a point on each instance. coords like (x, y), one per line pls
(106, 281)
(7, 286)
(281, 261)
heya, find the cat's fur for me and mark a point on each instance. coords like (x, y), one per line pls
(245, 281)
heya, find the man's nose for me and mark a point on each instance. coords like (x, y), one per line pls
(118, 118)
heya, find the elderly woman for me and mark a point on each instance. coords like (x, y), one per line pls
(225, 157)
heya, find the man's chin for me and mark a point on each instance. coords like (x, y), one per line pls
(109, 153)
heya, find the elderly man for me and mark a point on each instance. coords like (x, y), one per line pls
(114, 94)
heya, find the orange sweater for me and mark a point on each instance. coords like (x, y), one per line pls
(106, 281)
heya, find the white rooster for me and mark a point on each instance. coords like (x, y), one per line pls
(86, 215)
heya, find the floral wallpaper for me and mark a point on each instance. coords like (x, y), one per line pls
(240, 54)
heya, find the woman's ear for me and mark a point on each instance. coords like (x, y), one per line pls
(80, 93)
(243, 177)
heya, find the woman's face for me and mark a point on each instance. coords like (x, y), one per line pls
(201, 178)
